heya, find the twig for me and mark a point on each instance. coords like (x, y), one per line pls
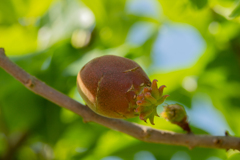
(140, 132)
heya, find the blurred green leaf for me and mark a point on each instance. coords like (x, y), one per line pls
(199, 4)
(18, 40)
(8, 14)
(236, 12)
(235, 156)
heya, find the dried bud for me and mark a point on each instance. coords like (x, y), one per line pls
(176, 114)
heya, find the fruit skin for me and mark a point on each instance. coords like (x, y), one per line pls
(110, 84)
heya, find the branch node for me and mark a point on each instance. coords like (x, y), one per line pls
(30, 83)
(217, 141)
(146, 133)
(86, 120)
(190, 147)
(2, 51)
(226, 133)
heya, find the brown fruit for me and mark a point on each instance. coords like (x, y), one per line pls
(117, 87)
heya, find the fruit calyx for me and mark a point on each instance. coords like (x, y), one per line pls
(148, 100)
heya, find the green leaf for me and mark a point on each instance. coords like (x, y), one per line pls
(235, 156)
(199, 3)
(236, 12)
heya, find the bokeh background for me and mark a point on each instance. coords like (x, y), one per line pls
(191, 46)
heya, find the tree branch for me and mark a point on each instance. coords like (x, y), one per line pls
(140, 132)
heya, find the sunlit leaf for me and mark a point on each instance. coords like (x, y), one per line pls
(236, 12)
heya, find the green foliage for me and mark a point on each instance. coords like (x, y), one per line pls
(235, 12)
(199, 4)
(52, 40)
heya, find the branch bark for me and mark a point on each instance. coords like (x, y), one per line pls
(140, 132)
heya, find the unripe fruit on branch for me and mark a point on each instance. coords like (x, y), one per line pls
(117, 87)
